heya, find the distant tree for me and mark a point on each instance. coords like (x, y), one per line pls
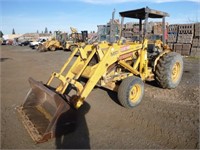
(1, 34)
(13, 31)
(46, 30)
(50, 32)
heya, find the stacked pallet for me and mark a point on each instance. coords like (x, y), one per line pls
(157, 28)
(197, 30)
(186, 49)
(129, 25)
(185, 34)
(136, 28)
(178, 47)
(172, 33)
(183, 49)
(127, 34)
(171, 46)
(195, 51)
(185, 38)
(150, 27)
(181, 36)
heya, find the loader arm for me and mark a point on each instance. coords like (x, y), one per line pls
(81, 68)
(100, 70)
(49, 104)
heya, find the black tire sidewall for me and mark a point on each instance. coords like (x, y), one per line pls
(164, 70)
(131, 104)
(176, 59)
(124, 91)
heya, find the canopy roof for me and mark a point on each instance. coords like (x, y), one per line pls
(140, 13)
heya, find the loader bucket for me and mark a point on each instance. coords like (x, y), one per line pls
(45, 114)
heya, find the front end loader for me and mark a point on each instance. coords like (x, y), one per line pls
(58, 41)
(116, 65)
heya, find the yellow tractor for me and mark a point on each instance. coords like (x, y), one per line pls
(116, 65)
(64, 41)
(57, 42)
(76, 39)
(51, 45)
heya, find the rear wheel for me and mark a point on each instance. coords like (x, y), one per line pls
(169, 70)
(131, 91)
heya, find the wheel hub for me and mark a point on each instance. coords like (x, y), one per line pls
(176, 72)
(135, 93)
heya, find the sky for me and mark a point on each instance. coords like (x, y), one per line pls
(28, 16)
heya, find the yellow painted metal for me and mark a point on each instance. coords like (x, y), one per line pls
(52, 43)
(63, 68)
(176, 71)
(85, 64)
(98, 72)
(68, 44)
(68, 61)
(136, 64)
(128, 67)
(73, 30)
(82, 53)
(159, 56)
(135, 93)
(143, 61)
(107, 55)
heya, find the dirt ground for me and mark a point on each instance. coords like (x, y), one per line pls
(164, 119)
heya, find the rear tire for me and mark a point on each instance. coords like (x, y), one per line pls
(169, 70)
(131, 91)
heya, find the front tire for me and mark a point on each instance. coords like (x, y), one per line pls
(52, 48)
(41, 48)
(131, 91)
(169, 70)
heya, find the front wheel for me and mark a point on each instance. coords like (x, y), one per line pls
(131, 91)
(169, 70)
(52, 48)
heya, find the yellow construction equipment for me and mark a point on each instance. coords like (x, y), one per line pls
(116, 65)
(76, 39)
(58, 41)
(64, 41)
(51, 45)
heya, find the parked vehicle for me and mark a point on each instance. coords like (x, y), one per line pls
(24, 43)
(34, 45)
(3, 42)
